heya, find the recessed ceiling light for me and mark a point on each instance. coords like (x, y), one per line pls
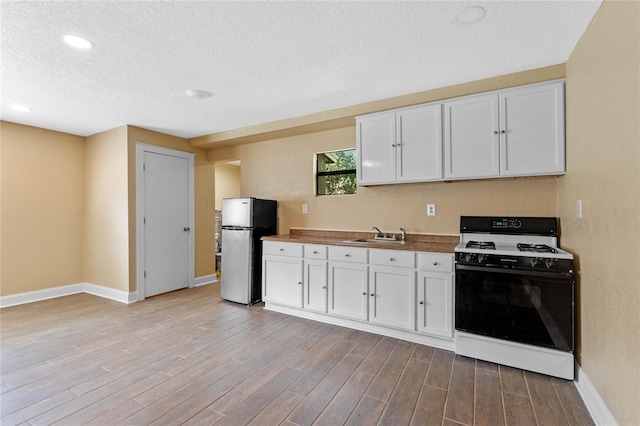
(198, 94)
(470, 15)
(77, 42)
(20, 108)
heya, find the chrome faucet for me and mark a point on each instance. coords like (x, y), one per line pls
(404, 234)
(379, 234)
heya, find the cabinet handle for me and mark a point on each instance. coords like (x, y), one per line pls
(281, 249)
(421, 302)
(393, 145)
(324, 287)
(299, 282)
(364, 293)
(372, 294)
(503, 131)
(495, 132)
(435, 263)
(391, 259)
(347, 255)
(315, 252)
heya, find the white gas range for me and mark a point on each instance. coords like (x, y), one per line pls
(515, 294)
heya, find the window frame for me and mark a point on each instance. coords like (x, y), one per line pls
(319, 174)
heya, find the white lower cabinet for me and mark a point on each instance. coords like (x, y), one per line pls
(315, 278)
(348, 290)
(399, 293)
(435, 294)
(282, 274)
(392, 296)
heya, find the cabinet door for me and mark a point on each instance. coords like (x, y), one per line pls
(533, 141)
(375, 139)
(435, 304)
(315, 285)
(419, 143)
(471, 137)
(282, 280)
(348, 290)
(392, 297)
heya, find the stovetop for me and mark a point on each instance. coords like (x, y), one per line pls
(512, 243)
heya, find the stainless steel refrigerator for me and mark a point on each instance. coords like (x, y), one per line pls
(244, 222)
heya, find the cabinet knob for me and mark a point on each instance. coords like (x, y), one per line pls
(495, 132)
(421, 302)
(324, 287)
(393, 145)
(299, 282)
(315, 252)
(364, 293)
(347, 255)
(435, 263)
(281, 249)
(503, 131)
(372, 294)
(391, 259)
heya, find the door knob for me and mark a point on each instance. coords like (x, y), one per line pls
(187, 229)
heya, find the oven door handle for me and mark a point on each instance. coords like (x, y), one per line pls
(515, 271)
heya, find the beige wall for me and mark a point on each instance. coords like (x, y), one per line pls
(204, 176)
(106, 236)
(42, 208)
(282, 169)
(603, 155)
(68, 207)
(227, 182)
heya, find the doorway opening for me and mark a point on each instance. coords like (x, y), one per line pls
(227, 185)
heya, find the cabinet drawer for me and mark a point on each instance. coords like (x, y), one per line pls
(437, 262)
(348, 254)
(315, 251)
(403, 259)
(277, 248)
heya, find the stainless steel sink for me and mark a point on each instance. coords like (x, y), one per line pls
(376, 241)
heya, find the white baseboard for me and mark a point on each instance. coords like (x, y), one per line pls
(205, 279)
(110, 293)
(66, 290)
(592, 399)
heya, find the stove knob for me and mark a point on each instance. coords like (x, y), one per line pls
(480, 258)
(550, 262)
(534, 262)
(467, 257)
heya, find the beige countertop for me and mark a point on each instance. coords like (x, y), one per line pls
(415, 242)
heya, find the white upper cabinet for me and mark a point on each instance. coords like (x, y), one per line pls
(419, 143)
(533, 141)
(376, 140)
(400, 146)
(515, 132)
(511, 132)
(471, 134)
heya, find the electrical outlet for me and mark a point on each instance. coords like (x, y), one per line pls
(431, 209)
(305, 209)
(579, 209)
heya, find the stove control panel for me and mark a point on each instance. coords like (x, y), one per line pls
(505, 223)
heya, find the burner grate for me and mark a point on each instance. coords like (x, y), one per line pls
(482, 245)
(536, 248)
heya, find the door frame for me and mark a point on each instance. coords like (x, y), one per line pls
(141, 148)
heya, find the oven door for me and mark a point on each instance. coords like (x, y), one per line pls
(531, 307)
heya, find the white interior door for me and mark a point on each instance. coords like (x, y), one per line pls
(166, 223)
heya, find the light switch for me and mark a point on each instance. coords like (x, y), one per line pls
(305, 209)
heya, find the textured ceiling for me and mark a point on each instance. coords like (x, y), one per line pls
(263, 61)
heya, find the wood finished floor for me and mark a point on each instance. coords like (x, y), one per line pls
(189, 358)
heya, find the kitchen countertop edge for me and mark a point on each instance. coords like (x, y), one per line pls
(415, 242)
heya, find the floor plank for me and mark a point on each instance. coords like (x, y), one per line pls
(188, 357)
